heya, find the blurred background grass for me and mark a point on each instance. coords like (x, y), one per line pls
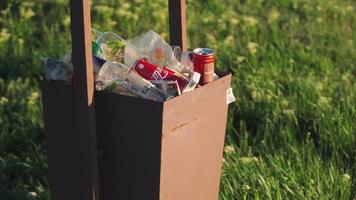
(291, 132)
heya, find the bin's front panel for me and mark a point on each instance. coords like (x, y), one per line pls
(194, 127)
(129, 137)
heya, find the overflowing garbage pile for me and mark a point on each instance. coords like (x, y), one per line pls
(145, 66)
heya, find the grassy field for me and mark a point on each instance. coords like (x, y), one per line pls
(291, 132)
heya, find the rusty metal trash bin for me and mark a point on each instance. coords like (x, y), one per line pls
(143, 150)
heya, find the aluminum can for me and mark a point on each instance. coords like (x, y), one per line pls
(150, 71)
(204, 63)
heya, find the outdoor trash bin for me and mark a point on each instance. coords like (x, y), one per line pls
(168, 150)
(137, 149)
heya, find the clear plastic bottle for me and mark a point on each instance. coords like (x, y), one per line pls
(112, 72)
(116, 49)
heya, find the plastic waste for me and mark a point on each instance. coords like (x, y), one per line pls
(145, 66)
(159, 52)
(129, 80)
(177, 52)
(186, 59)
(169, 87)
(117, 49)
(57, 70)
(115, 86)
(63, 69)
(152, 72)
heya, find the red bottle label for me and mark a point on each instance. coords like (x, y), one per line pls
(150, 71)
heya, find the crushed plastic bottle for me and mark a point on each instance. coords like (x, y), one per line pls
(117, 72)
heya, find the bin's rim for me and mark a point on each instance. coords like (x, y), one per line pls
(223, 75)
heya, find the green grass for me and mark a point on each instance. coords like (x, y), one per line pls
(291, 132)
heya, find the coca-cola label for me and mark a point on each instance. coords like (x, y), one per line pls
(150, 72)
(159, 74)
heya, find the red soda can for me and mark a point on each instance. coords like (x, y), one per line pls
(204, 63)
(150, 71)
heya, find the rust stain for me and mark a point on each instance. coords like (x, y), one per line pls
(184, 124)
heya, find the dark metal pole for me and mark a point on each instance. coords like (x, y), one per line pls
(86, 177)
(177, 23)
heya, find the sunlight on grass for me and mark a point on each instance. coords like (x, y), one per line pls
(291, 132)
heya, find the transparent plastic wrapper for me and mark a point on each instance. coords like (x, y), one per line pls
(57, 70)
(130, 81)
(159, 52)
